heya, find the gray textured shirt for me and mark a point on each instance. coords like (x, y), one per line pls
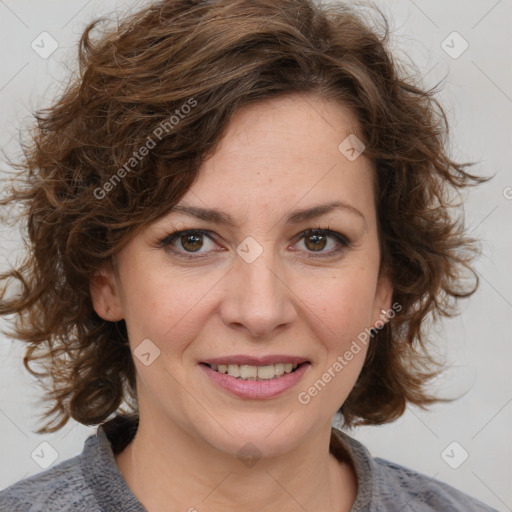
(92, 482)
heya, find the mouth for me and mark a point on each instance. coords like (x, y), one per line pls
(256, 378)
(253, 372)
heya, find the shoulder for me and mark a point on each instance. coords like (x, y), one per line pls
(89, 482)
(60, 488)
(399, 486)
(385, 486)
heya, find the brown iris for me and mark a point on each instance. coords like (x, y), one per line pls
(318, 239)
(196, 242)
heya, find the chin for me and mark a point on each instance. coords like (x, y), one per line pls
(262, 436)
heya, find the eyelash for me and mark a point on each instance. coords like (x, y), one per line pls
(343, 241)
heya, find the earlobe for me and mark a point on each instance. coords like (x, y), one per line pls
(104, 292)
(382, 304)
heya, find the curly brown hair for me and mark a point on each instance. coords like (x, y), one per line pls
(82, 202)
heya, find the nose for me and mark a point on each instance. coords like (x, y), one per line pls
(258, 298)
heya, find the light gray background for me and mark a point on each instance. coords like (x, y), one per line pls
(477, 94)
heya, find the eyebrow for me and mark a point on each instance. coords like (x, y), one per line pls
(219, 217)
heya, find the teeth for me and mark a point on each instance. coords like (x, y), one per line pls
(234, 370)
(278, 369)
(266, 372)
(247, 372)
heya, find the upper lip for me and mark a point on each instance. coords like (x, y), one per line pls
(255, 361)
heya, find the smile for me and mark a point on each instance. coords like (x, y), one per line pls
(247, 372)
(255, 382)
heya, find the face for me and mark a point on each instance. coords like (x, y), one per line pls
(259, 289)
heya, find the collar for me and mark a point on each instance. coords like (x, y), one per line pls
(113, 494)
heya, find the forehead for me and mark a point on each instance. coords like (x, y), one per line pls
(301, 125)
(283, 152)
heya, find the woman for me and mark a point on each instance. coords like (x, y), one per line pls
(238, 222)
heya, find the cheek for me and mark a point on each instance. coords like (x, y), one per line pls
(341, 306)
(339, 316)
(164, 306)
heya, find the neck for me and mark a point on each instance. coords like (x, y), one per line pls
(168, 469)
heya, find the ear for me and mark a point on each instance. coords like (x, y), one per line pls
(105, 295)
(382, 303)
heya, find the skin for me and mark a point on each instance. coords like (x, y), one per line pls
(276, 157)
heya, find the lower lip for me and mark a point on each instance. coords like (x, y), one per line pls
(256, 389)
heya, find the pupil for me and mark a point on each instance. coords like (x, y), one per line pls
(195, 239)
(317, 238)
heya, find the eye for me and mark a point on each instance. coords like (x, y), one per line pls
(188, 243)
(316, 240)
(191, 241)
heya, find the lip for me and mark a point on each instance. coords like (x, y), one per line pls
(256, 361)
(256, 389)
